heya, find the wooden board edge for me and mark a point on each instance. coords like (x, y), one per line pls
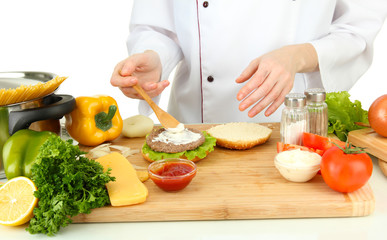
(383, 166)
(360, 203)
(363, 201)
(356, 137)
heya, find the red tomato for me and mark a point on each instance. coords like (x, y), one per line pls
(345, 172)
(319, 142)
(285, 147)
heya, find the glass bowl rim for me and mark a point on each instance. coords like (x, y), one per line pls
(162, 161)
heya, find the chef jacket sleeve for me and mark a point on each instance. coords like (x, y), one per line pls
(346, 52)
(152, 28)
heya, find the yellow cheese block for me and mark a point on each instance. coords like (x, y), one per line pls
(142, 175)
(127, 189)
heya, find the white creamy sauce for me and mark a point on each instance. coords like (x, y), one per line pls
(179, 128)
(299, 158)
(297, 165)
(177, 136)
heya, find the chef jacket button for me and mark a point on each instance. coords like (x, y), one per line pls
(210, 78)
(205, 4)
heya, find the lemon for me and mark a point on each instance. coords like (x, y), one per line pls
(17, 201)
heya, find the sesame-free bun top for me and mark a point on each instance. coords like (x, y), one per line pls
(240, 135)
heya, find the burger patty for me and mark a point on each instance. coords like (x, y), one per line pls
(170, 147)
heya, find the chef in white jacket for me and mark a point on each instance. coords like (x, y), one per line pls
(236, 60)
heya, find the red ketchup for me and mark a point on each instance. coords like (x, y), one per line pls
(172, 174)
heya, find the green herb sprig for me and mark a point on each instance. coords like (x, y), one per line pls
(68, 184)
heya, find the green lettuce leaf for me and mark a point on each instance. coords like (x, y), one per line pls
(343, 113)
(201, 151)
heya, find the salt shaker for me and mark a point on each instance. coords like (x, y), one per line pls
(317, 111)
(294, 119)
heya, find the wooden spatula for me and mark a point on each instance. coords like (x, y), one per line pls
(166, 120)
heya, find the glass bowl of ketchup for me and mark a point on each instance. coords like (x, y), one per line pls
(172, 174)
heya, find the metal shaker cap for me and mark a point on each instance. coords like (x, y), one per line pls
(315, 94)
(295, 100)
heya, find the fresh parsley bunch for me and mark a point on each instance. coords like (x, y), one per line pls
(68, 184)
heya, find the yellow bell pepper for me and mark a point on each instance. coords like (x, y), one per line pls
(94, 120)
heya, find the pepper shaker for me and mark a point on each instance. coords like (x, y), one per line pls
(294, 119)
(317, 111)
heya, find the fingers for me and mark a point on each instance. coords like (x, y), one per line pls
(275, 98)
(269, 78)
(271, 92)
(249, 71)
(152, 89)
(277, 102)
(155, 89)
(118, 80)
(133, 63)
(143, 68)
(259, 93)
(124, 71)
(256, 80)
(127, 69)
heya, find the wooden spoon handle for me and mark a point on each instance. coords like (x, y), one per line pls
(146, 97)
(167, 120)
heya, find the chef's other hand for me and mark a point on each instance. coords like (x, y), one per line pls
(143, 69)
(271, 77)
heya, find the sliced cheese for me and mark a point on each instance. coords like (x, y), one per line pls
(127, 189)
(142, 175)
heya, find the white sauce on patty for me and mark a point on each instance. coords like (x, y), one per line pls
(179, 128)
(183, 136)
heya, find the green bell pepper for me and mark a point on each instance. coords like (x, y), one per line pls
(4, 135)
(21, 150)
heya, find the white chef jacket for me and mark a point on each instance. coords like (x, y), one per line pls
(214, 41)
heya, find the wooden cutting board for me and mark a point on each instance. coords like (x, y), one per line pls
(374, 143)
(232, 184)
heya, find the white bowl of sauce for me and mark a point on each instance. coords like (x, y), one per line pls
(297, 165)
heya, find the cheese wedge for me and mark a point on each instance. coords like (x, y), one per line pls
(127, 189)
(142, 175)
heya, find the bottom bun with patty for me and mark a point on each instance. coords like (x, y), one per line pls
(194, 151)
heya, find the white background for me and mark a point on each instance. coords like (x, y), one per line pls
(85, 39)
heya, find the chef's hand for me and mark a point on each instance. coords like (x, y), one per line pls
(271, 77)
(143, 69)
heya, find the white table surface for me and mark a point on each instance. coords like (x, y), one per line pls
(353, 228)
